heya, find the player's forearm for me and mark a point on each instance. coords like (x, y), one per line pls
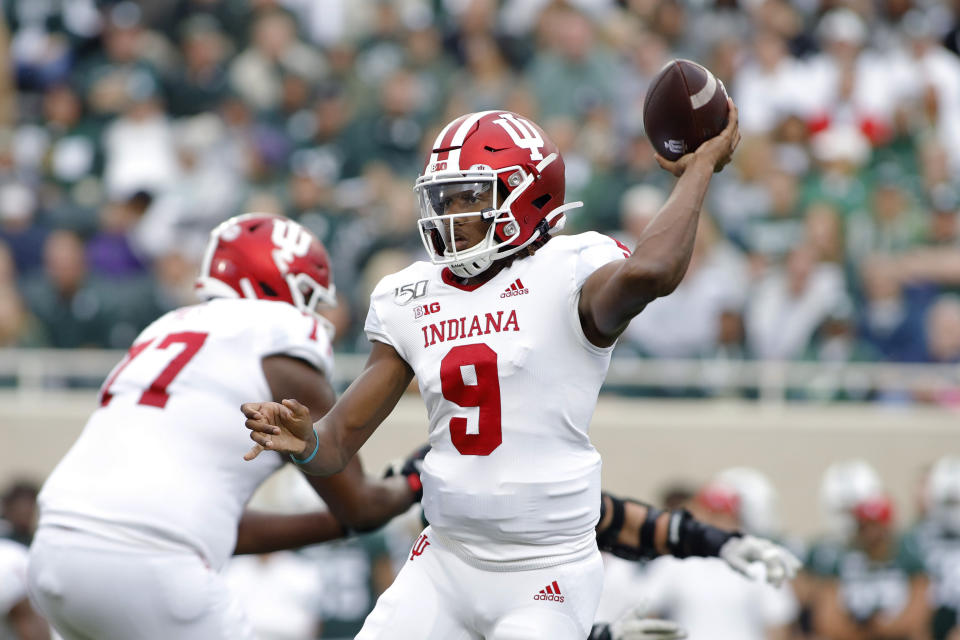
(260, 532)
(634, 530)
(618, 292)
(378, 502)
(362, 502)
(626, 535)
(663, 250)
(360, 410)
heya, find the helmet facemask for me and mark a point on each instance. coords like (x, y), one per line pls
(438, 191)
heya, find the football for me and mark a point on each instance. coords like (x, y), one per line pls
(685, 106)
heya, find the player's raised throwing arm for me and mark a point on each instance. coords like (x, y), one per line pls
(324, 448)
(618, 291)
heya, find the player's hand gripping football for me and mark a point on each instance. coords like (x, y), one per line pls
(284, 427)
(717, 151)
(741, 552)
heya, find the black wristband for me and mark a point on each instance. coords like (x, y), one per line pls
(688, 537)
(600, 631)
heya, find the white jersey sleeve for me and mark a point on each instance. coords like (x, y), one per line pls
(301, 336)
(404, 290)
(596, 251)
(374, 327)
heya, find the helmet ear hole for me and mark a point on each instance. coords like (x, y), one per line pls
(541, 201)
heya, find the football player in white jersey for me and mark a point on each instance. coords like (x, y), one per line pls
(509, 333)
(136, 520)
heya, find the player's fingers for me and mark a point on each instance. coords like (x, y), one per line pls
(258, 425)
(299, 410)
(261, 439)
(253, 453)
(734, 118)
(251, 409)
(664, 163)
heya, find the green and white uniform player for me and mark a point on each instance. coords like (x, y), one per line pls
(873, 587)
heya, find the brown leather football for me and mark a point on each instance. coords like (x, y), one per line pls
(684, 106)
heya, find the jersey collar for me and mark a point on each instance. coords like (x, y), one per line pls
(448, 278)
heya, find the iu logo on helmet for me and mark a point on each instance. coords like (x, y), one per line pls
(523, 134)
(292, 241)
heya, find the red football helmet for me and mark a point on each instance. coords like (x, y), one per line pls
(500, 153)
(269, 258)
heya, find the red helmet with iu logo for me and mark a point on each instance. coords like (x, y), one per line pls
(266, 257)
(501, 154)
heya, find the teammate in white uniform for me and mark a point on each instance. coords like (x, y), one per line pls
(137, 519)
(509, 334)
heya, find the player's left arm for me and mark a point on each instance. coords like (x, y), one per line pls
(334, 439)
(634, 530)
(618, 291)
(359, 502)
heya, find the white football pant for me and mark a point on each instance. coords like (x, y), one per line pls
(437, 596)
(90, 588)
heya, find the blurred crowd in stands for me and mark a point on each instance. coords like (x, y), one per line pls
(129, 129)
(873, 571)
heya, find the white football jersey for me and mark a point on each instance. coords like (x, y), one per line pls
(161, 460)
(510, 383)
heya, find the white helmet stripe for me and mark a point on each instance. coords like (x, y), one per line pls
(461, 135)
(438, 143)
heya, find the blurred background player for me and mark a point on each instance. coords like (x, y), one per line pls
(937, 538)
(875, 587)
(18, 517)
(138, 500)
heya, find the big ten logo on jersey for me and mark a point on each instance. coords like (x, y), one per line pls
(524, 135)
(291, 241)
(425, 309)
(404, 294)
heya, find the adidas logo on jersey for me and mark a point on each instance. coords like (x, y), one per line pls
(551, 593)
(515, 289)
